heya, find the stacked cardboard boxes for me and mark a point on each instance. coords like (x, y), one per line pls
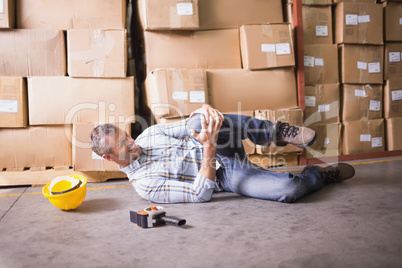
(359, 35)
(321, 76)
(393, 73)
(236, 55)
(63, 71)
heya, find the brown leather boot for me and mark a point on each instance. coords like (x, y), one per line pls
(334, 173)
(299, 136)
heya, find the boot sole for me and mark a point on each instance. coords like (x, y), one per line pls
(310, 142)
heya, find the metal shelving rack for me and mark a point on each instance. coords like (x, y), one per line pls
(303, 160)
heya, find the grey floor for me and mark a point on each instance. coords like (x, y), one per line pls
(357, 223)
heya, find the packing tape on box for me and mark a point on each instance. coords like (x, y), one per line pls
(363, 23)
(270, 54)
(175, 19)
(102, 44)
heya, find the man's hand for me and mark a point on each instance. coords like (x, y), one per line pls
(209, 132)
(208, 111)
(208, 138)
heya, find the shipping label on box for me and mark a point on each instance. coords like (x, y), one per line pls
(366, 136)
(291, 116)
(84, 159)
(13, 102)
(322, 104)
(168, 14)
(358, 23)
(242, 90)
(317, 23)
(36, 146)
(71, 14)
(355, 1)
(192, 49)
(314, 2)
(361, 64)
(97, 53)
(176, 92)
(393, 60)
(393, 98)
(266, 46)
(362, 102)
(25, 53)
(232, 14)
(7, 14)
(328, 141)
(67, 100)
(321, 64)
(392, 21)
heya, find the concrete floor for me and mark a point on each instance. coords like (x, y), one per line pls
(357, 223)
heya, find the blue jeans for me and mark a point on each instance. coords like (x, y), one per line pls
(238, 175)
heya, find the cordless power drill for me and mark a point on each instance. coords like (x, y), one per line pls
(154, 217)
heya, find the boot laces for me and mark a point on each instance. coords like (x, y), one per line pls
(333, 174)
(285, 130)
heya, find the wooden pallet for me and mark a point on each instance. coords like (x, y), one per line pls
(39, 176)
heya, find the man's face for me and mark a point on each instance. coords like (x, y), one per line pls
(123, 148)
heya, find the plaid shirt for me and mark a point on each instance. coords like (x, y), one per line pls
(168, 170)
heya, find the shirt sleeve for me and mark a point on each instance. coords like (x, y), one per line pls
(160, 190)
(177, 129)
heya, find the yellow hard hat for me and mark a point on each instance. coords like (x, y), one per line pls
(66, 192)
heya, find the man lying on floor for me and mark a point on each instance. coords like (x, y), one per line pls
(188, 160)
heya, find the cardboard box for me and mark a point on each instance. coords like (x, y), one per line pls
(393, 98)
(291, 116)
(272, 161)
(168, 14)
(97, 53)
(322, 104)
(355, 1)
(176, 92)
(361, 64)
(313, 2)
(84, 159)
(35, 146)
(231, 14)
(321, 64)
(393, 60)
(358, 23)
(392, 21)
(26, 53)
(7, 13)
(328, 142)
(241, 90)
(361, 102)
(197, 49)
(366, 136)
(394, 130)
(71, 14)
(66, 100)
(265, 46)
(317, 24)
(13, 102)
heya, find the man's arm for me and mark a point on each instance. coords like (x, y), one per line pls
(208, 138)
(158, 189)
(181, 128)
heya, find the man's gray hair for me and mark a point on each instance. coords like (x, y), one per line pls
(98, 138)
